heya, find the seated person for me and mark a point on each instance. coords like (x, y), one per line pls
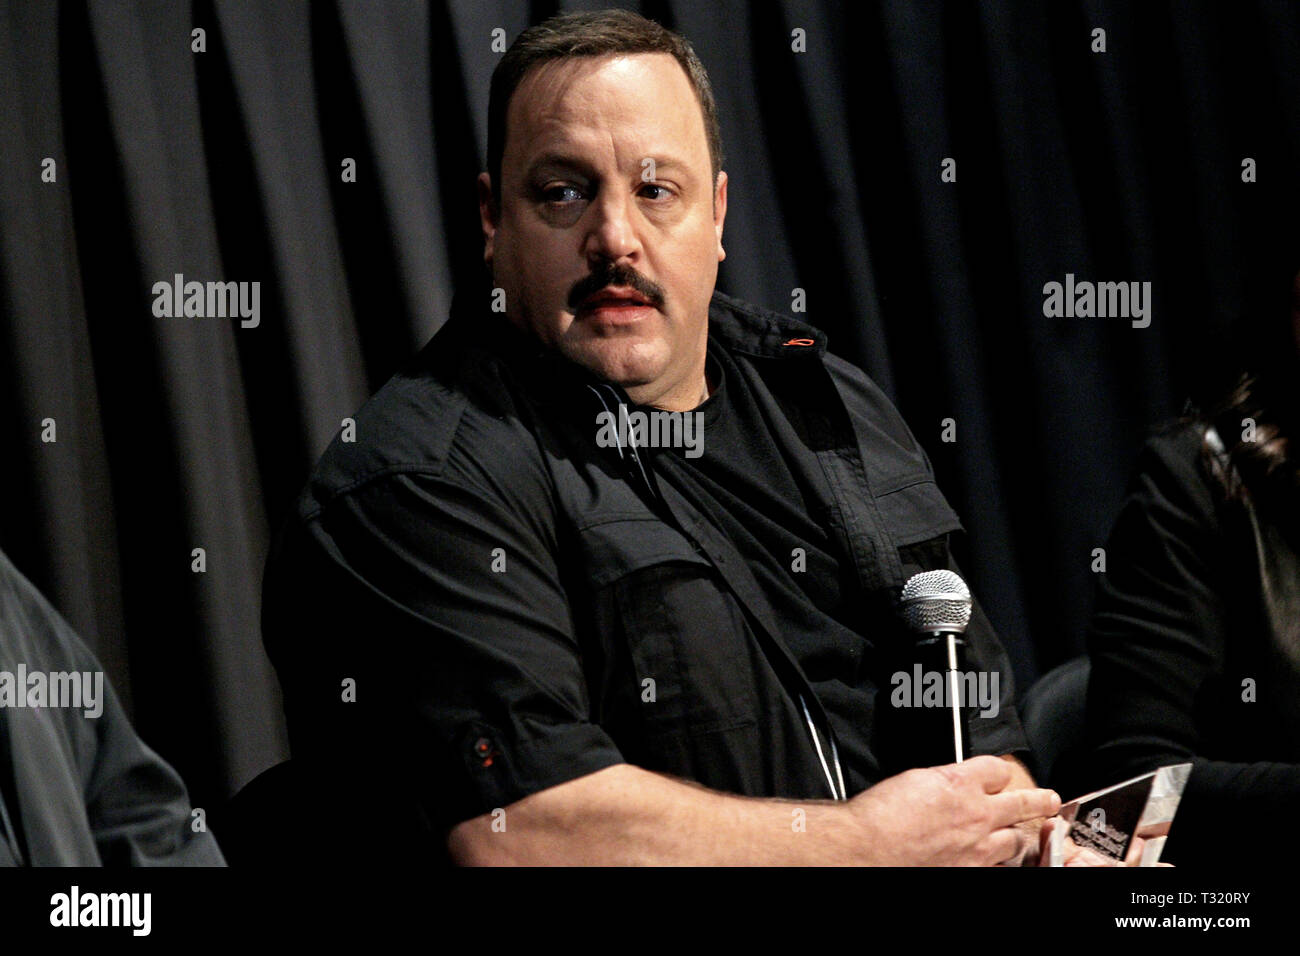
(514, 623)
(77, 786)
(1195, 640)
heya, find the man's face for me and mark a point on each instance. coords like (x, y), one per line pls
(610, 230)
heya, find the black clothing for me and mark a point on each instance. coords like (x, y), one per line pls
(1195, 647)
(78, 790)
(770, 498)
(520, 606)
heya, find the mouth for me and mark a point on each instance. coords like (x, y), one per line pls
(614, 305)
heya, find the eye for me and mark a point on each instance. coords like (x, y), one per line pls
(561, 194)
(654, 191)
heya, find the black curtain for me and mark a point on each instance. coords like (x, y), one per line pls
(226, 163)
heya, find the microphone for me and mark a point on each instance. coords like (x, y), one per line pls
(936, 607)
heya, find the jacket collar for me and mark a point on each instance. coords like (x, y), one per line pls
(746, 328)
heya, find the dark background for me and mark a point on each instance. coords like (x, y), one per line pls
(183, 433)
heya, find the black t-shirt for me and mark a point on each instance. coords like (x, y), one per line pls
(767, 507)
(766, 499)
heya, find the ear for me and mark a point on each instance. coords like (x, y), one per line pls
(486, 216)
(720, 211)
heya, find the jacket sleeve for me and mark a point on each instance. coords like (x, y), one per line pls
(137, 805)
(87, 789)
(423, 637)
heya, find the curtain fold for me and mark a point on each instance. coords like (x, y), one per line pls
(231, 164)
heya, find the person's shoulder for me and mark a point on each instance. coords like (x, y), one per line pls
(757, 331)
(32, 631)
(1181, 451)
(894, 456)
(1182, 440)
(752, 330)
(454, 404)
(1180, 474)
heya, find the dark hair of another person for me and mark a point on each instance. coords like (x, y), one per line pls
(592, 34)
(1267, 391)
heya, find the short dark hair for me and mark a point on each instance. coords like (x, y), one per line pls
(591, 34)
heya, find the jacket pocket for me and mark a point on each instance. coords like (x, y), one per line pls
(916, 511)
(664, 607)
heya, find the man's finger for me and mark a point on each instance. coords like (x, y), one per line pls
(1135, 849)
(991, 773)
(1017, 806)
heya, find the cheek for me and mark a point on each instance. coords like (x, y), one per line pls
(537, 279)
(697, 271)
(689, 255)
(523, 265)
(543, 255)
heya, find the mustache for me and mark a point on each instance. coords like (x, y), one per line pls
(610, 274)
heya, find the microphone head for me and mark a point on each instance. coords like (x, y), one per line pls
(936, 601)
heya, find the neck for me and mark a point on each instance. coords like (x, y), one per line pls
(681, 399)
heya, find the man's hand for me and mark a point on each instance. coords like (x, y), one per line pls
(955, 815)
(1039, 834)
(1022, 779)
(1075, 855)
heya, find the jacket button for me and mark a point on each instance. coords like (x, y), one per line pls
(483, 750)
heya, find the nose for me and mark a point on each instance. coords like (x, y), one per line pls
(611, 229)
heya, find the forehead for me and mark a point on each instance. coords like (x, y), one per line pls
(640, 102)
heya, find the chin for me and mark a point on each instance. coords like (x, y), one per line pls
(620, 363)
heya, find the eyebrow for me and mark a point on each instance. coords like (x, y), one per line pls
(569, 161)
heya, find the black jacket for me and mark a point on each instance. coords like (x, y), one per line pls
(1195, 646)
(500, 588)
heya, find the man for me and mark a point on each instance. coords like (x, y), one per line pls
(510, 624)
(78, 787)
